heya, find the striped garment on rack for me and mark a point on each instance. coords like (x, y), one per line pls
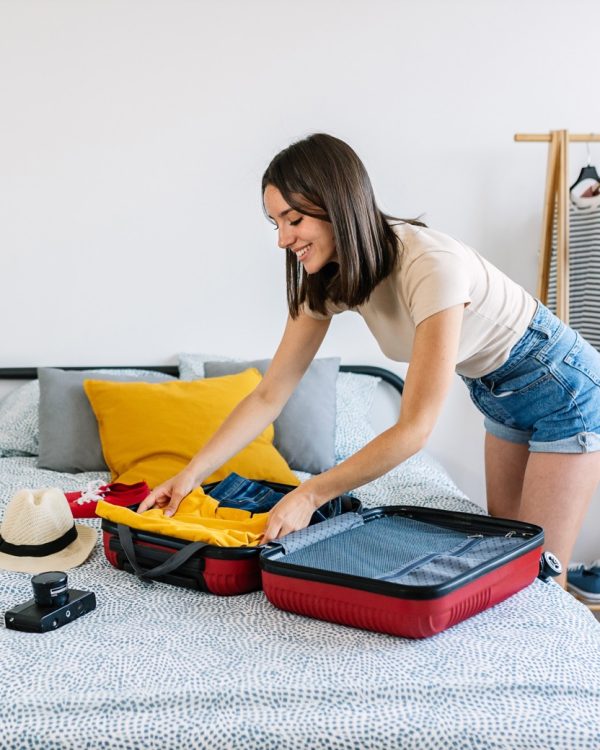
(584, 265)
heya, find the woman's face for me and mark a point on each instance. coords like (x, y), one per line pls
(310, 239)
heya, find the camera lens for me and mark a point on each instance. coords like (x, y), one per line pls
(50, 589)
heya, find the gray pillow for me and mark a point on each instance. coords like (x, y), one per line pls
(19, 421)
(68, 430)
(305, 429)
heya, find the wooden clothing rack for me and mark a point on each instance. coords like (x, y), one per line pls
(556, 202)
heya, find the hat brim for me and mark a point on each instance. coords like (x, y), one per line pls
(69, 557)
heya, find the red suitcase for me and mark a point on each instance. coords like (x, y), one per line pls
(218, 570)
(403, 570)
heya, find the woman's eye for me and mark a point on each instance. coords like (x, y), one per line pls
(292, 223)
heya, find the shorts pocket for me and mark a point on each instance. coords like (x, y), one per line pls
(583, 357)
(528, 374)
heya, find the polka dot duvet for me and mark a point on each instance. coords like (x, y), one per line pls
(163, 668)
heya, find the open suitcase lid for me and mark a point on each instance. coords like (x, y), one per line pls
(402, 551)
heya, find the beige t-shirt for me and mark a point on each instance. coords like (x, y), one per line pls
(435, 272)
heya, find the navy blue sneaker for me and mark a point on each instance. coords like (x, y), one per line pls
(584, 580)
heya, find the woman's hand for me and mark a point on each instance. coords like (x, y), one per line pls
(169, 494)
(292, 512)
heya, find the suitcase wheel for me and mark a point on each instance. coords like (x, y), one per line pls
(550, 566)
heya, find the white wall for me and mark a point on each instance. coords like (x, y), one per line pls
(134, 133)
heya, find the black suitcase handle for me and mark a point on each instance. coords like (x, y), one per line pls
(168, 566)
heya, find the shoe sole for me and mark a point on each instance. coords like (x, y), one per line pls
(588, 596)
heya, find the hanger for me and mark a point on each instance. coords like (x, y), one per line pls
(588, 172)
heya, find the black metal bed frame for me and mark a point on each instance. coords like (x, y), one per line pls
(30, 373)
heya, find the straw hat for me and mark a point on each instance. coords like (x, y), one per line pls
(38, 534)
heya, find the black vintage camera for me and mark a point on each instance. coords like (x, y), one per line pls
(53, 605)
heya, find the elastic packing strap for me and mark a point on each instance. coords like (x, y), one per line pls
(176, 560)
(297, 540)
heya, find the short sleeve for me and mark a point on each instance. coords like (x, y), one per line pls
(330, 307)
(304, 308)
(434, 281)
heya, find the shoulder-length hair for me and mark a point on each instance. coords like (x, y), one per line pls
(322, 177)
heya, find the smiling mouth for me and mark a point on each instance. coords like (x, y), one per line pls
(301, 253)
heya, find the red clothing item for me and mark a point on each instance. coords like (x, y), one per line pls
(83, 503)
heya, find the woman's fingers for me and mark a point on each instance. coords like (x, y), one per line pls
(159, 497)
(149, 502)
(285, 518)
(273, 530)
(169, 494)
(176, 497)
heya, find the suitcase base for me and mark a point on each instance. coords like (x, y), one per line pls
(409, 618)
(224, 571)
(402, 570)
(234, 571)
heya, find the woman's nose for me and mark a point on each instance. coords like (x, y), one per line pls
(286, 237)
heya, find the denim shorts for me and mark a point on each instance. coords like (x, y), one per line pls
(547, 393)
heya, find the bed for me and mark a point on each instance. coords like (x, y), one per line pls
(162, 668)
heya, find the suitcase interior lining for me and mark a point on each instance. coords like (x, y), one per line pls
(397, 549)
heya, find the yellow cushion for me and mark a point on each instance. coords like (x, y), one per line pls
(150, 431)
(198, 519)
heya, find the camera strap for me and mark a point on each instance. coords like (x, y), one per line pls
(168, 566)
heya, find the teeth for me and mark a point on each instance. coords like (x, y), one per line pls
(301, 253)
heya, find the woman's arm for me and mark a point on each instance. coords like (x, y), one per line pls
(427, 382)
(300, 342)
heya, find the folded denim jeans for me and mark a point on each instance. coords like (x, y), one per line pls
(245, 494)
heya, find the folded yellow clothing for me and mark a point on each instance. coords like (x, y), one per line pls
(198, 519)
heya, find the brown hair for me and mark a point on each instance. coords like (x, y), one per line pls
(322, 177)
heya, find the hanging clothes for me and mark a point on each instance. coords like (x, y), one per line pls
(584, 262)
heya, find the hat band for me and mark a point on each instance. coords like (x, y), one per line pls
(39, 550)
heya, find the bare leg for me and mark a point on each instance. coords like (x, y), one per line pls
(557, 490)
(505, 465)
(552, 490)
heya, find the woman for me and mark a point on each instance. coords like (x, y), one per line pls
(435, 303)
